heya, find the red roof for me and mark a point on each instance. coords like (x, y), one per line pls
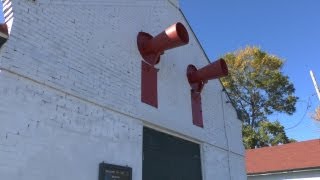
(293, 156)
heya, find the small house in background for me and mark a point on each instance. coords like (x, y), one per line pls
(91, 89)
(300, 160)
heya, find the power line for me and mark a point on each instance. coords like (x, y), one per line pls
(304, 115)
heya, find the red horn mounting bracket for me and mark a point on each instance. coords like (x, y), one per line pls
(196, 88)
(149, 75)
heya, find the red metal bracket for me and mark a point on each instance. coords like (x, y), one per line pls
(197, 118)
(196, 88)
(149, 89)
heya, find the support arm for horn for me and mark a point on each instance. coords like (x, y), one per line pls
(196, 86)
(150, 57)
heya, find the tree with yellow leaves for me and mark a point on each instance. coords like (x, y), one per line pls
(316, 115)
(258, 88)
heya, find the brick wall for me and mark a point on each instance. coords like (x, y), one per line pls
(46, 134)
(70, 91)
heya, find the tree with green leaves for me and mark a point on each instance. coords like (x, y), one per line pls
(266, 134)
(258, 88)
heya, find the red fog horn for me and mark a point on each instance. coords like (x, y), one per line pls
(197, 78)
(213, 70)
(152, 47)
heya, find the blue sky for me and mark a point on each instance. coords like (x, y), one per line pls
(286, 28)
(289, 29)
(1, 14)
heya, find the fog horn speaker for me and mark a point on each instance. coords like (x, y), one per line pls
(197, 79)
(151, 49)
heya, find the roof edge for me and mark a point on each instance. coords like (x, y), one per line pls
(281, 145)
(205, 54)
(194, 34)
(315, 168)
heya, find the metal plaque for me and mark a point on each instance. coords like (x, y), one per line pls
(114, 172)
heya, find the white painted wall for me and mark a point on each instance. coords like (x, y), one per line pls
(299, 175)
(70, 92)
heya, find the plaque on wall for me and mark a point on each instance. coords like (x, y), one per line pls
(114, 172)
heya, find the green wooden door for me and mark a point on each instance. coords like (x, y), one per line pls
(166, 157)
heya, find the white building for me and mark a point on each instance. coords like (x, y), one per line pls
(70, 96)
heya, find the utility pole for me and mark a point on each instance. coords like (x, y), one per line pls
(315, 84)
